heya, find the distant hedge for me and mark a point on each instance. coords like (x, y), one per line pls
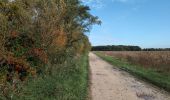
(125, 48)
(116, 48)
(156, 49)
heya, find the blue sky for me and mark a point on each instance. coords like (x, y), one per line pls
(145, 23)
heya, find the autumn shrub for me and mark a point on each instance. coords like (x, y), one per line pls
(67, 81)
(37, 34)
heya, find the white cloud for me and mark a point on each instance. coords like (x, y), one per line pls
(129, 1)
(102, 3)
(94, 3)
(122, 1)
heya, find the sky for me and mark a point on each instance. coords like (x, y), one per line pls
(145, 23)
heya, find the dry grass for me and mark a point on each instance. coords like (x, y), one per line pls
(158, 60)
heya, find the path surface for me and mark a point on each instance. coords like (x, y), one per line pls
(109, 83)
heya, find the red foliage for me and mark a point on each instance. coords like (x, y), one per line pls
(14, 34)
(17, 65)
(40, 53)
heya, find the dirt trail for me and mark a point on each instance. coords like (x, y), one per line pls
(109, 83)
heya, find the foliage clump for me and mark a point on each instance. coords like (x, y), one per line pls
(36, 34)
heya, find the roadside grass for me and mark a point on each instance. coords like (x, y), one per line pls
(67, 82)
(159, 79)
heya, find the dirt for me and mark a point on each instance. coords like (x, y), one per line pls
(111, 83)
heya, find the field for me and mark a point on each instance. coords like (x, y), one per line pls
(158, 60)
(151, 66)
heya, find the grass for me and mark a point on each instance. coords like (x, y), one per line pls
(67, 82)
(159, 79)
(157, 60)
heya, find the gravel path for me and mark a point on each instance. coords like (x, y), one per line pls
(109, 83)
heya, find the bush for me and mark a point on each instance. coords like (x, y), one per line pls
(66, 81)
(38, 34)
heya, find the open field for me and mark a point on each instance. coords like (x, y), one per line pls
(151, 66)
(158, 60)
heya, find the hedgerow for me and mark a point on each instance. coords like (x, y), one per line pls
(35, 35)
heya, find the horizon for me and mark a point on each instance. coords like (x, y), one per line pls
(130, 45)
(144, 23)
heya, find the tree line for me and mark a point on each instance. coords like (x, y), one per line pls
(116, 48)
(125, 48)
(156, 49)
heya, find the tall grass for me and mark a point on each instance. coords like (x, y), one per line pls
(67, 81)
(158, 60)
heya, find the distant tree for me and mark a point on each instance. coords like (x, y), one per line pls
(156, 49)
(116, 48)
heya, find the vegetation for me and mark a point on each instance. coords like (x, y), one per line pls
(159, 77)
(158, 60)
(156, 49)
(38, 39)
(67, 82)
(116, 48)
(125, 48)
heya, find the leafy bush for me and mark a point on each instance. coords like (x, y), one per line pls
(38, 34)
(67, 81)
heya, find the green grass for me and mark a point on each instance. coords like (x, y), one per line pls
(67, 82)
(159, 79)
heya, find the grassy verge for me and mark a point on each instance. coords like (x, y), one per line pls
(67, 82)
(159, 79)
